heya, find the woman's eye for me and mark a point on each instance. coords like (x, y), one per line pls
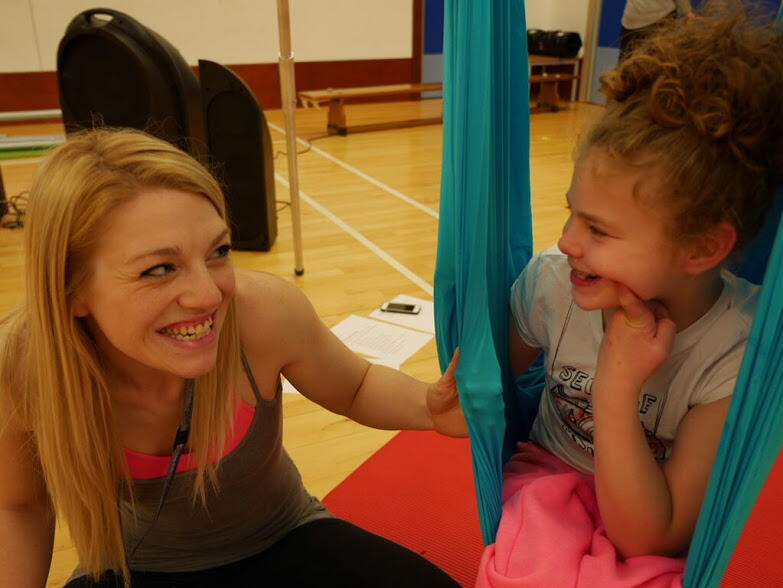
(158, 271)
(596, 231)
(223, 250)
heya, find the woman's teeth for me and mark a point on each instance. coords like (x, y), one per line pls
(191, 332)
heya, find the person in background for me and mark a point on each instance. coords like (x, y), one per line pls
(642, 17)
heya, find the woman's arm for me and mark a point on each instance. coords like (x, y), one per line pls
(389, 399)
(282, 323)
(26, 515)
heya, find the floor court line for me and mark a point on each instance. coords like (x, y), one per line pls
(361, 174)
(20, 161)
(405, 271)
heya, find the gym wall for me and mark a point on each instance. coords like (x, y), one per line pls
(349, 42)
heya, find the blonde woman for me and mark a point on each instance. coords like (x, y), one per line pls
(140, 391)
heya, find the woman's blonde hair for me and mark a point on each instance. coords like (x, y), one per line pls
(52, 377)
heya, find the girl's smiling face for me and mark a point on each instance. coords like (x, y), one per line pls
(160, 285)
(615, 234)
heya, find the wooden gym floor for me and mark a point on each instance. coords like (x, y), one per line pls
(366, 198)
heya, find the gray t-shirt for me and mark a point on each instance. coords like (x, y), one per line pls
(701, 368)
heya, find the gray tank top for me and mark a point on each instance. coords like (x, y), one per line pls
(260, 498)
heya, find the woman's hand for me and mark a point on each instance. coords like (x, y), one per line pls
(638, 339)
(443, 403)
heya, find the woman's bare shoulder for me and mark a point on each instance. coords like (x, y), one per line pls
(261, 294)
(252, 281)
(270, 310)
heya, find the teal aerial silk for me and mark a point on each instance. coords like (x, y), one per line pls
(485, 231)
(485, 239)
(753, 434)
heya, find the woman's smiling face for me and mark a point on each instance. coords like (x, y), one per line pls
(160, 285)
(614, 236)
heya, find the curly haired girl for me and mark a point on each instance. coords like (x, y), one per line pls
(642, 327)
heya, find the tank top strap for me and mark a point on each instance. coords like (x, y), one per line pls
(252, 379)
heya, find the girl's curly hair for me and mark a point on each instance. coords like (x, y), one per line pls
(701, 104)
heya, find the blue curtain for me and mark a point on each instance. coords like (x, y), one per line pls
(484, 240)
(485, 231)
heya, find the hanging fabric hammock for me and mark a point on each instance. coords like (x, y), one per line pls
(485, 184)
(485, 239)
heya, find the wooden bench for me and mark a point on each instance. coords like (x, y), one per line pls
(335, 124)
(548, 95)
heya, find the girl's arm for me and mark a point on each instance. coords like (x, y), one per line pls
(646, 508)
(521, 355)
(282, 324)
(26, 515)
(649, 508)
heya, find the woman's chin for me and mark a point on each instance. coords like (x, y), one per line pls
(198, 369)
(193, 367)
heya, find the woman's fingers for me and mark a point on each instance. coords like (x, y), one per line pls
(453, 363)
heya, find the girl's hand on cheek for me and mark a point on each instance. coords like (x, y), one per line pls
(637, 341)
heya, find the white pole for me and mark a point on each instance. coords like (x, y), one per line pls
(20, 115)
(288, 95)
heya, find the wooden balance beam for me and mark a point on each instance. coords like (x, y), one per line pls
(335, 124)
(548, 95)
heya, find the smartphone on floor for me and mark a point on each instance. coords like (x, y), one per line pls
(401, 307)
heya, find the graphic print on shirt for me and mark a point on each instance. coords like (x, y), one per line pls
(650, 406)
(571, 398)
(574, 407)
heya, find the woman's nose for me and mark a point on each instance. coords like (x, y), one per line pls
(201, 290)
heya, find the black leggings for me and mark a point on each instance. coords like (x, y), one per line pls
(325, 552)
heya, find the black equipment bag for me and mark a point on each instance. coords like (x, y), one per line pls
(553, 43)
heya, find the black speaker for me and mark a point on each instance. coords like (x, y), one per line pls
(114, 71)
(241, 151)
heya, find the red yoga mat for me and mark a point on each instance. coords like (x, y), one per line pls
(758, 556)
(418, 490)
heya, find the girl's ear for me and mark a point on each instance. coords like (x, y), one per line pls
(710, 249)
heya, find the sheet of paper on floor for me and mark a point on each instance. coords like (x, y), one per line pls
(380, 339)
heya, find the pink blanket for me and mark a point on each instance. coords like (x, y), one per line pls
(551, 534)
